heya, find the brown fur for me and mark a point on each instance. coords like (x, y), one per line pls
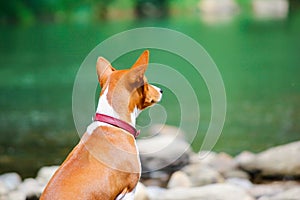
(83, 176)
(105, 163)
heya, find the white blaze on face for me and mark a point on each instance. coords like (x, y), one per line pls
(159, 92)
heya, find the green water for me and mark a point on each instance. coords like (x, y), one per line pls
(259, 62)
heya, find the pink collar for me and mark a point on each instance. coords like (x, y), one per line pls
(117, 123)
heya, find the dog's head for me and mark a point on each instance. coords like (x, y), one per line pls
(128, 88)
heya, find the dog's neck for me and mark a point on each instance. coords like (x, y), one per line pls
(104, 107)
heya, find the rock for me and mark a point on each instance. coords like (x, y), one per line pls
(265, 190)
(141, 192)
(179, 179)
(10, 180)
(163, 129)
(213, 11)
(236, 174)
(207, 157)
(3, 189)
(246, 158)
(202, 175)
(156, 178)
(154, 191)
(16, 195)
(270, 8)
(282, 160)
(209, 192)
(150, 182)
(194, 158)
(291, 194)
(243, 183)
(164, 152)
(222, 163)
(45, 174)
(272, 189)
(218, 7)
(30, 187)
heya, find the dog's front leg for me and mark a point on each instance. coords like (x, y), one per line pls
(127, 196)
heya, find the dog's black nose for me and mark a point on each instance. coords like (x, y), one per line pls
(161, 91)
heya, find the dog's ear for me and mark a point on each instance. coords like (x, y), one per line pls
(136, 73)
(104, 70)
(135, 76)
(142, 60)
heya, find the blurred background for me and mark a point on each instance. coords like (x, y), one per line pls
(255, 44)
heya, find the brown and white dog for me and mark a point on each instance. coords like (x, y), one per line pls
(105, 164)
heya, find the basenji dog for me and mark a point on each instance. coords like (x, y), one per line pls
(105, 164)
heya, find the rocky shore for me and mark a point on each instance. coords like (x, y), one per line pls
(174, 172)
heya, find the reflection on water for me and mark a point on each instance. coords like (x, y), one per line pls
(259, 62)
